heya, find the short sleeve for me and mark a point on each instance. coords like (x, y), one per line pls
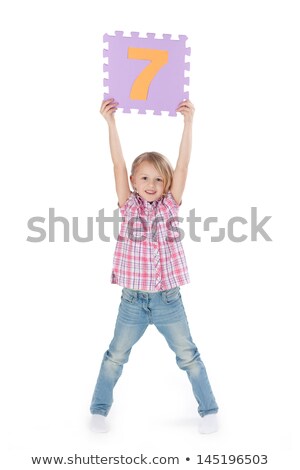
(125, 208)
(171, 203)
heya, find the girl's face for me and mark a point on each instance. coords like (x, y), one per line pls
(147, 182)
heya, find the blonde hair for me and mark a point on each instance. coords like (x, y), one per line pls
(160, 163)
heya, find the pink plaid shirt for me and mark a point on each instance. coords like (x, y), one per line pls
(147, 255)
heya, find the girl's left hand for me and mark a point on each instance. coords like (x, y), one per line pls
(186, 108)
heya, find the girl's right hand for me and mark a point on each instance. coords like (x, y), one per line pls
(108, 108)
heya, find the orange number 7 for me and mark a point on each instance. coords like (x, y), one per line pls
(158, 59)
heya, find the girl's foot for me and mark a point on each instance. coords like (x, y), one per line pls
(209, 424)
(98, 423)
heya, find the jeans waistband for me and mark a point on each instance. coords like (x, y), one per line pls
(136, 292)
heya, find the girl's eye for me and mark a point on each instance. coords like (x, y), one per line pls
(157, 179)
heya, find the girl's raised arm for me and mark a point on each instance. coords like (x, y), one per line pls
(107, 110)
(187, 109)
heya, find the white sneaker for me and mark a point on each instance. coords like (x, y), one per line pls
(98, 423)
(209, 424)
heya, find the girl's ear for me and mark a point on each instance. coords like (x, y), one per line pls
(132, 182)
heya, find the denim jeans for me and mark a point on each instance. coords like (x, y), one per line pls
(165, 310)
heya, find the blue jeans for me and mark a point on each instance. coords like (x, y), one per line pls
(165, 310)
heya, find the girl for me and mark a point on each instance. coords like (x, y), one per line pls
(149, 263)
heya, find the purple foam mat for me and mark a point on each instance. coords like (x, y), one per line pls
(166, 89)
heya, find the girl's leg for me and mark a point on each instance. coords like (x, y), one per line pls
(170, 319)
(130, 326)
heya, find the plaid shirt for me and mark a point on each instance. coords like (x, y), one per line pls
(149, 255)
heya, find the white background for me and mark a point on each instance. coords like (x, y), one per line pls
(58, 307)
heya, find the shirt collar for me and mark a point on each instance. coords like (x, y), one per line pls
(146, 204)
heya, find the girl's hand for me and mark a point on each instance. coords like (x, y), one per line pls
(186, 108)
(108, 108)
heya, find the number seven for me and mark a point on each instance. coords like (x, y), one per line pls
(158, 59)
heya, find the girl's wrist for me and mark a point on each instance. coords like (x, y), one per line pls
(111, 122)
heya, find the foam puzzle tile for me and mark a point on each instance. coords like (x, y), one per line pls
(146, 73)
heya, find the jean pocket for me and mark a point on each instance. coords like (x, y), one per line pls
(127, 296)
(172, 295)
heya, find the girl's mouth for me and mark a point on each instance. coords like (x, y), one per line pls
(150, 192)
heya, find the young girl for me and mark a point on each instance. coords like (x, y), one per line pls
(149, 263)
